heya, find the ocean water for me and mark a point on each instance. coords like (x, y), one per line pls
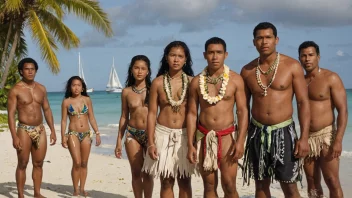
(107, 111)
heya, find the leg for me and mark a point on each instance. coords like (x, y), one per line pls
(330, 169)
(38, 156)
(313, 175)
(167, 187)
(290, 190)
(135, 157)
(228, 168)
(210, 179)
(23, 158)
(75, 151)
(262, 188)
(85, 151)
(184, 184)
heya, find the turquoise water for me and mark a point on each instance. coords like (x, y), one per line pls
(107, 110)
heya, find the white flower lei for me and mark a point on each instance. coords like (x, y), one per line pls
(204, 88)
(175, 105)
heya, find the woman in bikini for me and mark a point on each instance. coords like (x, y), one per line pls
(78, 106)
(134, 98)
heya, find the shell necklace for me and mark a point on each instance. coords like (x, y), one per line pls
(138, 91)
(258, 70)
(175, 105)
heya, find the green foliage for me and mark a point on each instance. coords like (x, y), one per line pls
(12, 79)
(3, 119)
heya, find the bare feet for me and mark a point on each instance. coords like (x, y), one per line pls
(84, 193)
(75, 193)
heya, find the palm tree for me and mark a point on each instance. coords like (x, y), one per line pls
(43, 18)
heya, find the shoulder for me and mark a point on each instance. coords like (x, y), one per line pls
(158, 81)
(86, 99)
(331, 76)
(40, 86)
(289, 62)
(126, 90)
(15, 88)
(195, 81)
(235, 77)
(246, 69)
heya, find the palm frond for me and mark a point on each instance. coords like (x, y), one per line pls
(51, 6)
(60, 31)
(91, 12)
(45, 40)
(13, 5)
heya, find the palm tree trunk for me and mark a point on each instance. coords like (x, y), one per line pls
(3, 56)
(10, 59)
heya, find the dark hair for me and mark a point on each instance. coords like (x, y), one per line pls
(307, 44)
(130, 81)
(164, 66)
(263, 26)
(68, 92)
(26, 60)
(215, 40)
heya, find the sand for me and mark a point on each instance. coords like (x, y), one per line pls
(107, 176)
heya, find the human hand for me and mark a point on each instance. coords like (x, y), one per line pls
(302, 148)
(152, 151)
(16, 143)
(238, 151)
(64, 141)
(192, 154)
(118, 151)
(336, 149)
(52, 138)
(97, 140)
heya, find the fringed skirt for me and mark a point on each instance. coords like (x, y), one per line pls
(317, 140)
(172, 148)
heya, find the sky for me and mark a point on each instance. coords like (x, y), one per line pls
(147, 26)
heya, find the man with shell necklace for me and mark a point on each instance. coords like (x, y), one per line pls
(273, 150)
(219, 142)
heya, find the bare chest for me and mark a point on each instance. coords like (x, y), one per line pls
(135, 100)
(29, 96)
(318, 91)
(175, 93)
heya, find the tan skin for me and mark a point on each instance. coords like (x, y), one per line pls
(176, 59)
(277, 107)
(134, 113)
(29, 105)
(326, 92)
(218, 117)
(79, 150)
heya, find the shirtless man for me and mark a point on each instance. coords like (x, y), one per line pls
(326, 92)
(29, 98)
(217, 89)
(272, 148)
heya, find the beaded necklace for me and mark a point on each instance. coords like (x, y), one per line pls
(138, 91)
(260, 83)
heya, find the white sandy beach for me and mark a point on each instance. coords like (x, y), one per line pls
(107, 176)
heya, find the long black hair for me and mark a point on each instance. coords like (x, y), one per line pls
(130, 81)
(164, 66)
(68, 92)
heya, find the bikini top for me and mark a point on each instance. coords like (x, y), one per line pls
(72, 111)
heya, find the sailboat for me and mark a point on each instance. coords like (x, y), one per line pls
(114, 84)
(81, 74)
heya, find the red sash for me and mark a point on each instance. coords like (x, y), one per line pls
(218, 134)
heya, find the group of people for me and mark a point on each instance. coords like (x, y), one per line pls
(179, 125)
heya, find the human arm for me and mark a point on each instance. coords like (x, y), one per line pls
(49, 118)
(339, 99)
(93, 122)
(242, 116)
(11, 111)
(247, 92)
(301, 93)
(192, 115)
(151, 119)
(63, 123)
(122, 124)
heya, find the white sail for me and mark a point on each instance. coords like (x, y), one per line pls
(81, 73)
(114, 84)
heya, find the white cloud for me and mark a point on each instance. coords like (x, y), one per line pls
(340, 53)
(317, 13)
